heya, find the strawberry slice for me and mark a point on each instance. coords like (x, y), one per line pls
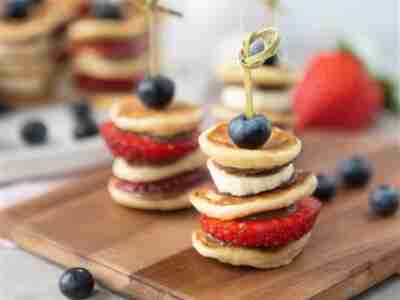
(265, 232)
(143, 148)
(92, 84)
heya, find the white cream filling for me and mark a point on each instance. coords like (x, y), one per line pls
(148, 173)
(264, 100)
(237, 185)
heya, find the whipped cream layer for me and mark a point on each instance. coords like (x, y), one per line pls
(244, 185)
(277, 100)
(148, 173)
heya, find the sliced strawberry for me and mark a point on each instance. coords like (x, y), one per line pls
(175, 184)
(136, 147)
(267, 232)
(91, 84)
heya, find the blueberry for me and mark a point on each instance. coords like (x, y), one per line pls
(34, 132)
(384, 200)
(4, 108)
(156, 92)
(86, 128)
(326, 188)
(257, 47)
(81, 110)
(355, 172)
(77, 283)
(17, 9)
(106, 9)
(250, 133)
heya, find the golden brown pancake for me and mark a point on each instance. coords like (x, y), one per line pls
(130, 114)
(210, 202)
(44, 19)
(283, 147)
(254, 257)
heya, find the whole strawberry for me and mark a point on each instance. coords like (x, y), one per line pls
(337, 92)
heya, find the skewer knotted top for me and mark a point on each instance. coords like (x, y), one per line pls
(153, 5)
(271, 40)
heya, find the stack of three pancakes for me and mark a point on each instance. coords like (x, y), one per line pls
(157, 158)
(258, 212)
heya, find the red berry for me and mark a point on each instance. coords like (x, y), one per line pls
(269, 232)
(91, 84)
(337, 91)
(142, 148)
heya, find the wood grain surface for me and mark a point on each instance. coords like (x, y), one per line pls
(148, 255)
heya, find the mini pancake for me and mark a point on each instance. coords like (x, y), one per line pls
(282, 148)
(248, 184)
(114, 48)
(131, 115)
(280, 119)
(93, 64)
(90, 28)
(210, 202)
(264, 99)
(158, 202)
(272, 76)
(43, 21)
(148, 173)
(253, 257)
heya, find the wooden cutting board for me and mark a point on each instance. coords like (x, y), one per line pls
(149, 255)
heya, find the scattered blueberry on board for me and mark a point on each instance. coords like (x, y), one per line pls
(355, 172)
(384, 201)
(250, 133)
(77, 284)
(85, 128)
(17, 9)
(156, 92)
(257, 47)
(81, 110)
(34, 133)
(106, 9)
(4, 108)
(326, 188)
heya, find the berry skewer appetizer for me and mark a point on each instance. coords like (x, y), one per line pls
(259, 211)
(109, 47)
(273, 81)
(155, 144)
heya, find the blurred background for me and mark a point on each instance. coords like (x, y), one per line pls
(194, 45)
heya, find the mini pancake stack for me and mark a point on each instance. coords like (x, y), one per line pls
(27, 57)
(109, 51)
(271, 95)
(259, 212)
(157, 158)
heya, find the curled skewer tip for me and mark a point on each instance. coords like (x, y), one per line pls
(271, 39)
